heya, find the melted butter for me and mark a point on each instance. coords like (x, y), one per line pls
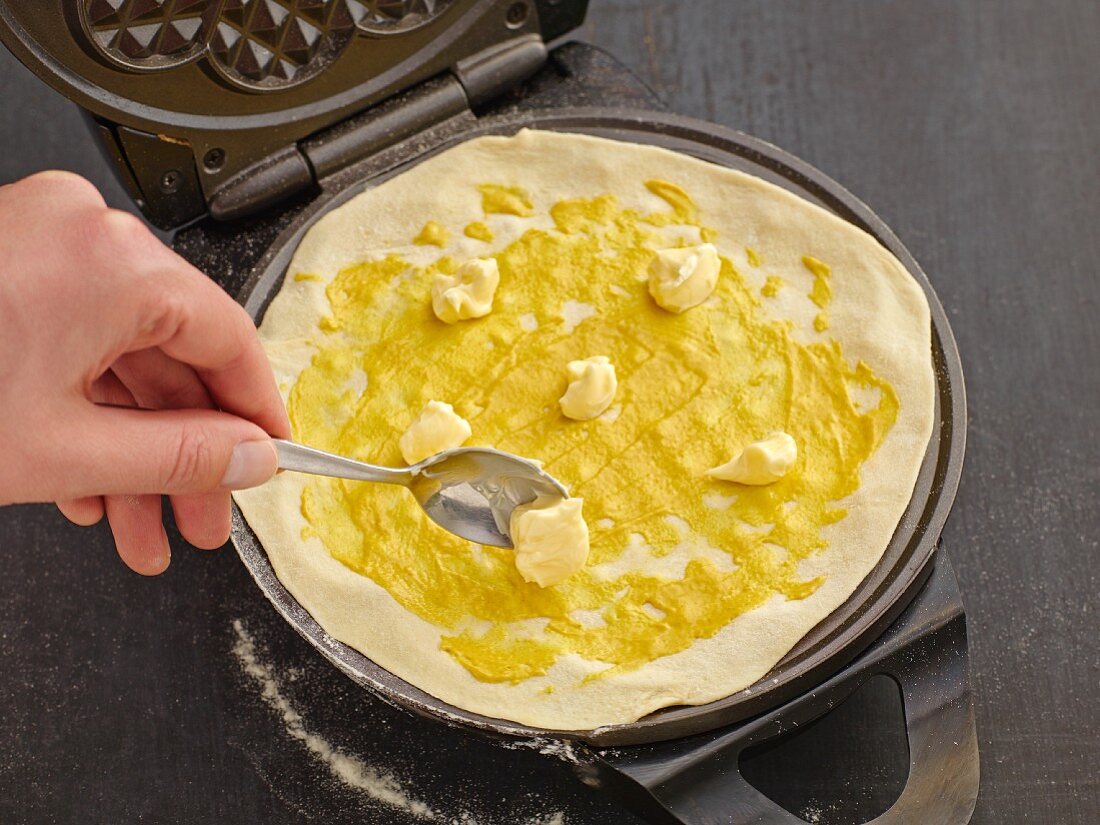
(479, 231)
(753, 256)
(505, 200)
(433, 234)
(686, 382)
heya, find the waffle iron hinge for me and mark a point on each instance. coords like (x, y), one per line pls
(471, 83)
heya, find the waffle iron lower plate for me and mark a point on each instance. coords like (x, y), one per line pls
(679, 767)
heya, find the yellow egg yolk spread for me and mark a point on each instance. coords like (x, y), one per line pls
(822, 293)
(433, 234)
(479, 231)
(772, 285)
(693, 388)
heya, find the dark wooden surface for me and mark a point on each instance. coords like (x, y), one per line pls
(973, 129)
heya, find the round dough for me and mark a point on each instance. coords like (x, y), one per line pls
(877, 313)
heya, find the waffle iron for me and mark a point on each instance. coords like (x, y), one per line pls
(238, 123)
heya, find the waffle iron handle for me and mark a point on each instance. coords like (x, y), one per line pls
(697, 781)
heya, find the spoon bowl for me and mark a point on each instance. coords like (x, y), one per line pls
(470, 491)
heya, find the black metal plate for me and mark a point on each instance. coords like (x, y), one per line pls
(835, 641)
(245, 80)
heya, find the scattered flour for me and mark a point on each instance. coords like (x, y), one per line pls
(558, 748)
(379, 785)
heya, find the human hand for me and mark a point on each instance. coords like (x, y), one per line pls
(96, 311)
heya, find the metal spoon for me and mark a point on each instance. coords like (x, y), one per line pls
(470, 491)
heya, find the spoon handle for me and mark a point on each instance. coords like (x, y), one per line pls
(302, 459)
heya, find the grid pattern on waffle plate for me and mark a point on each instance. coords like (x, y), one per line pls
(149, 33)
(259, 45)
(383, 16)
(274, 43)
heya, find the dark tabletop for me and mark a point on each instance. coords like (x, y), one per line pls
(973, 129)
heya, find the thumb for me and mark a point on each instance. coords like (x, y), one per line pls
(132, 451)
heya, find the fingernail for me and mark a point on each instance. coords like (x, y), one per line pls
(252, 463)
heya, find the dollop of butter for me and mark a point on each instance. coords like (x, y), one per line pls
(762, 462)
(682, 278)
(551, 539)
(468, 293)
(437, 428)
(592, 386)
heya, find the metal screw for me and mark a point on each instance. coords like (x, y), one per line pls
(213, 159)
(516, 15)
(170, 181)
